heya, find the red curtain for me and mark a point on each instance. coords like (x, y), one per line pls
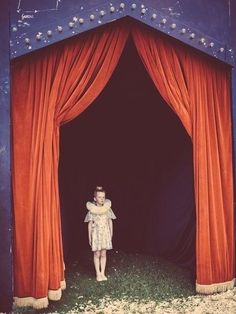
(50, 87)
(55, 85)
(198, 90)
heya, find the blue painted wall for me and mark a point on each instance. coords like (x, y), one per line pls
(213, 19)
(233, 45)
(206, 19)
(5, 172)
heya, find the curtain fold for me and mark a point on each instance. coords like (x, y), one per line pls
(198, 90)
(50, 87)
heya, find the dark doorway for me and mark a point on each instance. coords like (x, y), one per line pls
(133, 144)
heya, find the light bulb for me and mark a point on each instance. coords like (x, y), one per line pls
(38, 36)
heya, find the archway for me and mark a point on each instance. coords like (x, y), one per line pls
(131, 141)
(55, 85)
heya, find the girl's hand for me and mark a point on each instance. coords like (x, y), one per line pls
(90, 242)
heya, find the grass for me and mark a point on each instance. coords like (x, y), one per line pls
(131, 277)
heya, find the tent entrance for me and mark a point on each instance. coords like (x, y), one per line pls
(132, 143)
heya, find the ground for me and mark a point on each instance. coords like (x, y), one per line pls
(136, 284)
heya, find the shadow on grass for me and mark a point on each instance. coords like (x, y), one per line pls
(131, 277)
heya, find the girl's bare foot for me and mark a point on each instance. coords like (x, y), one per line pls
(103, 277)
(99, 277)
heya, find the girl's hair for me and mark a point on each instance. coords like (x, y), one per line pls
(98, 189)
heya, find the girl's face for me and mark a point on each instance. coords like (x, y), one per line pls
(99, 198)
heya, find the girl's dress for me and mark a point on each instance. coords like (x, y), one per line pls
(101, 236)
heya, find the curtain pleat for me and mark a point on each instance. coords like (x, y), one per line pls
(198, 91)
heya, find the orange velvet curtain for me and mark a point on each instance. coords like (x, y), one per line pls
(50, 87)
(198, 90)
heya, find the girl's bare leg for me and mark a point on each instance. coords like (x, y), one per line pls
(103, 258)
(96, 260)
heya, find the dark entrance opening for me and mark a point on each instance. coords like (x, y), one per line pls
(132, 143)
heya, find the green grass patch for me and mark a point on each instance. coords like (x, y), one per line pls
(131, 277)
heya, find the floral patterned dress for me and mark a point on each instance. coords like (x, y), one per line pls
(101, 236)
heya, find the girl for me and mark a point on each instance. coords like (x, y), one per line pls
(100, 230)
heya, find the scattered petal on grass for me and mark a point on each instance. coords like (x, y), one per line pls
(193, 304)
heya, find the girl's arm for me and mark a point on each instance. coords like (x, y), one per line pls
(110, 223)
(90, 232)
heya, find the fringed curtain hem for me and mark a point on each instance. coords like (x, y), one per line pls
(216, 287)
(54, 295)
(32, 302)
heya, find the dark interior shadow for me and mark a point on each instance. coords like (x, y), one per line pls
(133, 144)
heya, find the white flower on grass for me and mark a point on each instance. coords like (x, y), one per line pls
(229, 294)
(215, 297)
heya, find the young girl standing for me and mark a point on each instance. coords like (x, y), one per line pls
(100, 230)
